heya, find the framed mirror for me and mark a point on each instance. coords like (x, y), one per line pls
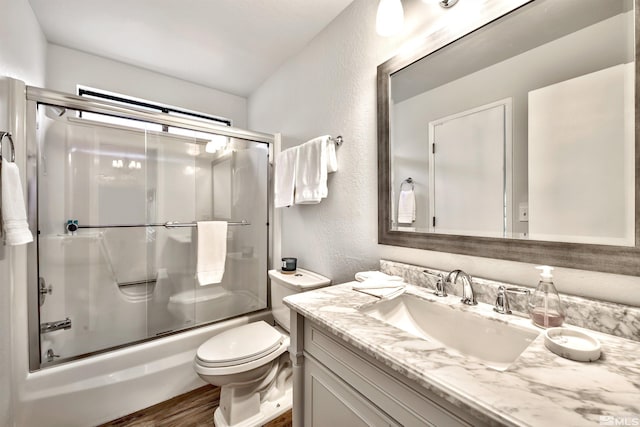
(517, 141)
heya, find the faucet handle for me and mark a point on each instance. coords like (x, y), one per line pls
(440, 289)
(502, 304)
(502, 301)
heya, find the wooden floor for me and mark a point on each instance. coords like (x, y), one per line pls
(187, 410)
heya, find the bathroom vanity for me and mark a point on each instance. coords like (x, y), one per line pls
(353, 367)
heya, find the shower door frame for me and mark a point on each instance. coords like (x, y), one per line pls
(36, 96)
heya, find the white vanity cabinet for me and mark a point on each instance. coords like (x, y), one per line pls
(337, 385)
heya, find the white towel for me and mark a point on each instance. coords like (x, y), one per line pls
(380, 288)
(378, 275)
(332, 158)
(311, 171)
(407, 207)
(212, 251)
(285, 177)
(14, 214)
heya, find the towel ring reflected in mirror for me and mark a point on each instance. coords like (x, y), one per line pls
(407, 181)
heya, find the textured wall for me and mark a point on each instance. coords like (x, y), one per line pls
(330, 87)
(67, 68)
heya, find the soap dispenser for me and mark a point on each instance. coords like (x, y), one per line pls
(545, 307)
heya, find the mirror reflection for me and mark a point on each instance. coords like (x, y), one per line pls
(522, 129)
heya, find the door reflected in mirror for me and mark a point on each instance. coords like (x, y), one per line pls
(522, 129)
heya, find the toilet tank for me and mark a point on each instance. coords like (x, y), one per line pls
(283, 285)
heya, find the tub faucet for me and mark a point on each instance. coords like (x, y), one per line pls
(468, 295)
(54, 326)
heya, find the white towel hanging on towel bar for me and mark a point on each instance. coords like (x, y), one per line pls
(316, 158)
(407, 207)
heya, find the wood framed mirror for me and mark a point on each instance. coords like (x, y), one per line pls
(556, 85)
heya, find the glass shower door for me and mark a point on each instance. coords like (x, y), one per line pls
(120, 273)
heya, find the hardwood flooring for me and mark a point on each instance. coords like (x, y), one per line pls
(192, 409)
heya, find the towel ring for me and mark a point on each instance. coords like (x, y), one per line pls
(338, 140)
(407, 181)
(13, 148)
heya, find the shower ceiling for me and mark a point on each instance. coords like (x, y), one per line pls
(230, 45)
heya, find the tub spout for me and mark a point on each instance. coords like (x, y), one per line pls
(47, 327)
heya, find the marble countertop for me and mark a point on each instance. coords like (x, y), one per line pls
(538, 389)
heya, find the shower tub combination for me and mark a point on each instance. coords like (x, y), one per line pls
(115, 313)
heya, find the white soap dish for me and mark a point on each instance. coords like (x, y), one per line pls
(572, 344)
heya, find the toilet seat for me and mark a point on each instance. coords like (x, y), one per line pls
(240, 349)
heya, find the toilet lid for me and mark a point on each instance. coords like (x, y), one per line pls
(239, 345)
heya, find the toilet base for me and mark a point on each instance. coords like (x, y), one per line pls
(269, 411)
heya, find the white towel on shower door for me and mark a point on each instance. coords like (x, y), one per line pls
(212, 251)
(14, 214)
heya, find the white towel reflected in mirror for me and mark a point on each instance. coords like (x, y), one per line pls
(407, 207)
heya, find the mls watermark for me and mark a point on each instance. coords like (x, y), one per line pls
(626, 420)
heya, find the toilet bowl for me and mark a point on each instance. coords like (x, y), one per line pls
(251, 363)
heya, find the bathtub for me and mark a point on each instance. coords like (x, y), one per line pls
(107, 386)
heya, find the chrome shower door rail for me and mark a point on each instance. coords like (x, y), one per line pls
(169, 224)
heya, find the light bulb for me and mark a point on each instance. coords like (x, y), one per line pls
(390, 17)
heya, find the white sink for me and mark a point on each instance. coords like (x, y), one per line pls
(496, 344)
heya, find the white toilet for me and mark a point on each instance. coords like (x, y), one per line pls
(251, 364)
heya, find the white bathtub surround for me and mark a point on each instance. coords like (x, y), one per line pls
(539, 388)
(98, 389)
(609, 318)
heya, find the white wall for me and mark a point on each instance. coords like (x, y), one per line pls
(330, 87)
(22, 56)
(67, 68)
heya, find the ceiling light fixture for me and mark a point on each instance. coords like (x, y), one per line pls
(390, 17)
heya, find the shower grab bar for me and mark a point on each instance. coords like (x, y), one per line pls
(170, 224)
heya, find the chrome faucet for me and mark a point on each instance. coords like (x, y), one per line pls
(468, 295)
(54, 326)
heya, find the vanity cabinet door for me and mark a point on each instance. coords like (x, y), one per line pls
(329, 402)
(395, 402)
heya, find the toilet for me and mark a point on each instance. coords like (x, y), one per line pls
(251, 363)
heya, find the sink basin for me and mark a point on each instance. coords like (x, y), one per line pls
(494, 343)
